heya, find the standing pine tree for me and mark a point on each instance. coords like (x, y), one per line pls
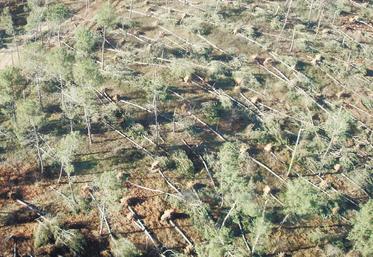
(56, 15)
(10, 90)
(59, 64)
(33, 63)
(29, 120)
(6, 22)
(66, 150)
(106, 19)
(85, 41)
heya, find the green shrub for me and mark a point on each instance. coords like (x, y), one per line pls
(85, 40)
(247, 78)
(217, 70)
(260, 234)
(73, 239)
(202, 50)
(225, 102)
(183, 164)
(212, 111)
(339, 125)
(198, 26)
(57, 13)
(182, 69)
(110, 187)
(45, 231)
(122, 247)
(136, 131)
(302, 199)
(155, 87)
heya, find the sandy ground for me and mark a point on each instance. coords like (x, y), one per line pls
(6, 58)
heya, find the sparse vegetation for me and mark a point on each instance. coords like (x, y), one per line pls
(186, 128)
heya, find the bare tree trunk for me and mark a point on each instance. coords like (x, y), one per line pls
(59, 177)
(292, 41)
(71, 188)
(310, 12)
(319, 22)
(37, 145)
(71, 126)
(156, 118)
(103, 47)
(58, 35)
(294, 152)
(173, 122)
(86, 7)
(39, 92)
(61, 88)
(131, 9)
(88, 124)
(286, 18)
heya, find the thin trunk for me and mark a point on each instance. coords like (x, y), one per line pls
(156, 118)
(180, 232)
(228, 214)
(71, 126)
(286, 18)
(39, 92)
(292, 41)
(15, 252)
(71, 188)
(294, 152)
(61, 87)
(17, 48)
(173, 122)
(59, 177)
(40, 156)
(243, 236)
(310, 12)
(86, 7)
(101, 224)
(103, 47)
(131, 9)
(58, 35)
(319, 22)
(88, 124)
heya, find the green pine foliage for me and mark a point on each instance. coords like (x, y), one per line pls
(361, 233)
(85, 41)
(86, 73)
(106, 16)
(302, 199)
(184, 166)
(11, 87)
(57, 13)
(6, 21)
(122, 247)
(111, 190)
